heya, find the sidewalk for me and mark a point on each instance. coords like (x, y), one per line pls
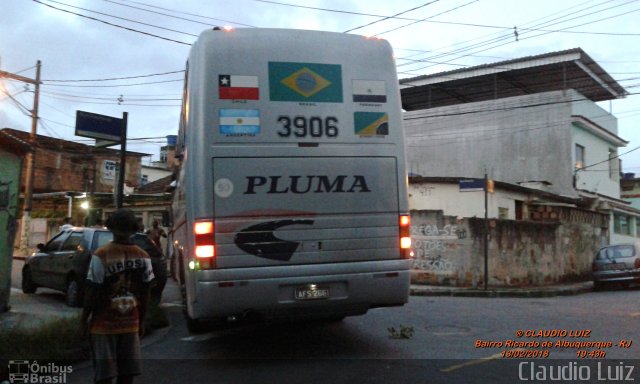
(29, 311)
(544, 291)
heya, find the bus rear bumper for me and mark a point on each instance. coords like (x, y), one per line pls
(308, 294)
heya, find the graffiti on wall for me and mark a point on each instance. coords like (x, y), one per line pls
(430, 244)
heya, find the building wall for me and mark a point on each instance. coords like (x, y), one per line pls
(593, 112)
(517, 139)
(449, 250)
(9, 191)
(624, 228)
(154, 173)
(598, 178)
(62, 171)
(448, 198)
(630, 191)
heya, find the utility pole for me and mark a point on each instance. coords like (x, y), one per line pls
(123, 160)
(30, 171)
(486, 231)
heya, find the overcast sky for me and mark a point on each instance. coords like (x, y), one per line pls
(144, 45)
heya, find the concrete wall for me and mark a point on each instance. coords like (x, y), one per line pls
(516, 139)
(448, 198)
(9, 190)
(449, 250)
(593, 112)
(597, 178)
(154, 173)
(524, 138)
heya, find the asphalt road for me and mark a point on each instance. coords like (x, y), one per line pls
(443, 347)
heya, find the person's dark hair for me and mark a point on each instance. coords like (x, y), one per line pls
(122, 220)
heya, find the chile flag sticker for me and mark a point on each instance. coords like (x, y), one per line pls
(237, 87)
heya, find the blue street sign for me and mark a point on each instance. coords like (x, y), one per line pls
(98, 126)
(471, 185)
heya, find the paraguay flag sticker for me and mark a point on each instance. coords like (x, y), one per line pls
(239, 122)
(371, 123)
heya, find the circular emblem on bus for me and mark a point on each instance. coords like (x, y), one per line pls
(223, 188)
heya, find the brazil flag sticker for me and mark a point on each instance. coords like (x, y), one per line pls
(308, 82)
(371, 123)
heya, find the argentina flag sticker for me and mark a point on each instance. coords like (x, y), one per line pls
(239, 121)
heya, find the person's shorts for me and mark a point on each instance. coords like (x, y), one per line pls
(116, 355)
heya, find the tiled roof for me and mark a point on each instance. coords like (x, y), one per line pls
(154, 187)
(10, 143)
(47, 142)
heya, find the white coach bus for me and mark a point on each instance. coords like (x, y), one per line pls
(291, 193)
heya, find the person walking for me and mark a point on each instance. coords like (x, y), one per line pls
(155, 233)
(116, 300)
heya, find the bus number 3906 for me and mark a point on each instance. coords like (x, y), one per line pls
(301, 126)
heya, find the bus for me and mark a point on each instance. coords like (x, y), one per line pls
(290, 196)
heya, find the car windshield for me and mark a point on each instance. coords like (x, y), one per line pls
(617, 251)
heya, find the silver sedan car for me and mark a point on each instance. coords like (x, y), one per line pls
(617, 264)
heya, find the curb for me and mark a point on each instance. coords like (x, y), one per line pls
(497, 293)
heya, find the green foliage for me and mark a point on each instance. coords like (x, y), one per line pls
(47, 214)
(59, 340)
(403, 333)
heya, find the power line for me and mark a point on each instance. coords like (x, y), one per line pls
(178, 12)
(426, 19)
(114, 85)
(21, 107)
(503, 37)
(124, 19)
(112, 24)
(392, 16)
(609, 159)
(115, 78)
(495, 41)
(514, 106)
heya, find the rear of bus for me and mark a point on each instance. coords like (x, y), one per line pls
(293, 180)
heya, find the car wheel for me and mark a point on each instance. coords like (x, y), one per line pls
(598, 285)
(74, 294)
(28, 286)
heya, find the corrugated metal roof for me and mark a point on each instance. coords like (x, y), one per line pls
(569, 69)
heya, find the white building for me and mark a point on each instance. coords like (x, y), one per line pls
(529, 121)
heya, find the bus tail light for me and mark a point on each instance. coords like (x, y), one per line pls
(205, 249)
(405, 235)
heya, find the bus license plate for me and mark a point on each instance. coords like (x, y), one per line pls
(311, 292)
